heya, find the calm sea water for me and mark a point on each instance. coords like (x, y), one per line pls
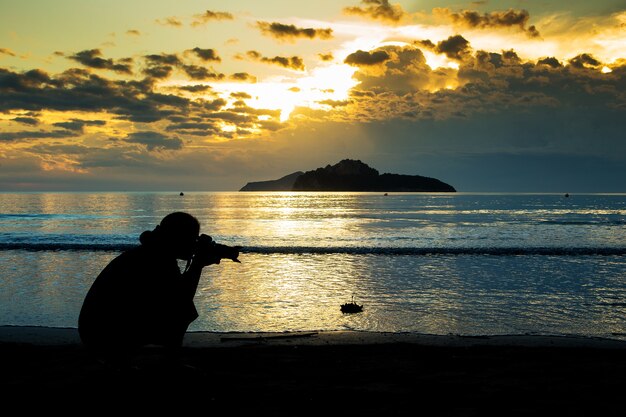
(430, 263)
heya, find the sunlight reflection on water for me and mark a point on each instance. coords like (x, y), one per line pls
(462, 294)
(322, 219)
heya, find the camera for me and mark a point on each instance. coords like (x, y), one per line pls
(208, 247)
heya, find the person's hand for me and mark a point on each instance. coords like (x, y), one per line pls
(205, 251)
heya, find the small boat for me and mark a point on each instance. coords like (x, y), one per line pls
(181, 193)
(351, 307)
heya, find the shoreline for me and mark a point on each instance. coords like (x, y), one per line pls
(327, 373)
(68, 336)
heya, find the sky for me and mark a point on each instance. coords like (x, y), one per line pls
(488, 96)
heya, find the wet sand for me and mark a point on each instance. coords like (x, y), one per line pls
(332, 373)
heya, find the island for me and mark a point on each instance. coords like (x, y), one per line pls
(350, 175)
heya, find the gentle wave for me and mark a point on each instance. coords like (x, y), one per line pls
(600, 222)
(295, 250)
(64, 216)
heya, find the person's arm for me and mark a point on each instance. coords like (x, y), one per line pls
(191, 277)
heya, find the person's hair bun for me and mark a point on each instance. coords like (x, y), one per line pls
(149, 237)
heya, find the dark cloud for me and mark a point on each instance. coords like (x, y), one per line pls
(360, 57)
(196, 72)
(497, 19)
(31, 121)
(161, 66)
(243, 117)
(203, 18)
(195, 128)
(163, 59)
(454, 47)
(271, 125)
(293, 62)
(79, 90)
(291, 32)
(158, 71)
(335, 103)
(40, 134)
(206, 54)
(169, 100)
(510, 57)
(378, 9)
(92, 58)
(14, 82)
(244, 77)
(426, 43)
(198, 88)
(326, 57)
(214, 104)
(6, 51)
(179, 119)
(550, 61)
(533, 32)
(254, 54)
(154, 141)
(170, 21)
(58, 148)
(585, 61)
(236, 117)
(241, 95)
(241, 107)
(360, 93)
(78, 125)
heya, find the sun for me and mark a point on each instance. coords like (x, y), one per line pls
(285, 93)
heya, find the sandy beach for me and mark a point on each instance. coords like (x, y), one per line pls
(334, 373)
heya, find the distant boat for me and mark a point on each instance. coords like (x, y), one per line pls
(351, 307)
(566, 195)
(181, 193)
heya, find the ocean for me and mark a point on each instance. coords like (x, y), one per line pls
(457, 263)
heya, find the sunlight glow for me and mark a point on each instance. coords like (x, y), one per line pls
(435, 61)
(228, 128)
(332, 82)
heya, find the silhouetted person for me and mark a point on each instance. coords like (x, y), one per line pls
(142, 297)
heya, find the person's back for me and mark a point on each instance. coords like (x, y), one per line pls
(134, 302)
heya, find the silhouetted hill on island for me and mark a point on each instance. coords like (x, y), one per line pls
(350, 175)
(283, 184)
